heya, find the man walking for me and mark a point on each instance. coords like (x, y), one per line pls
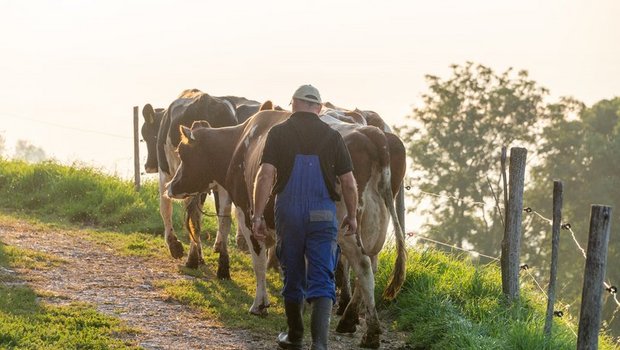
(306, 158)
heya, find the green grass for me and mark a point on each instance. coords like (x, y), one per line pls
(81, 196)
(26, 323)
(447, 302)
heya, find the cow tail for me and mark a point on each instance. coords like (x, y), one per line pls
(399, 273)
(193, 218)
(380, 141)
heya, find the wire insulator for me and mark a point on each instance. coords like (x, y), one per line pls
(524, 267)
(408, 188)
(558, 313)
(566, 226)
(410, 234)
(612, 289)
(527, 210)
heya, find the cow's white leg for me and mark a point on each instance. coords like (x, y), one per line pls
(365, 286)
(242, 245)
(343, 281)
(259, 263)
(374, 260)
(165, 210)
(224, 222)
(193, 221)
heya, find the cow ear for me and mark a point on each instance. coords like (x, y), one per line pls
(266, 106)
(148, 113)
(187, 135)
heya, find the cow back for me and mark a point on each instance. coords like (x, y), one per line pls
(192, 105)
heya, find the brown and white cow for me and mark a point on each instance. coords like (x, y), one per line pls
(161, 134)
(244, 108)
(230, 156)
(345, 121)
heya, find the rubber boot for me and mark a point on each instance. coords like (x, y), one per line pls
(319, 322)
(293, 338)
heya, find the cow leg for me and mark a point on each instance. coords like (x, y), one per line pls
(350, 317)
(193, 225)
(365, 287)
(165, 210)
(343, 281)
(259, 263)
(223, 205)
(272, 259)
(240, 240)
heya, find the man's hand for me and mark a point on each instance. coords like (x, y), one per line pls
(351, 224)
(259, 229)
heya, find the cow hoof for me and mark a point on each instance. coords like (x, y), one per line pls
(370, 341)
(223, 267)
(261, 310)
(340, 310)
(192, 264)
(217, 247)
(346, 326)
(176, 249)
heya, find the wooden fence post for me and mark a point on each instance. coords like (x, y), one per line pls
(555, 248)
(136, 149)
(593, 278)
(511, 244)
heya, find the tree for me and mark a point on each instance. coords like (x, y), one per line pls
(454, 141)
(579, 147)
(24, 150)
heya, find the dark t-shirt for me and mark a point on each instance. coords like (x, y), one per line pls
(305, 133)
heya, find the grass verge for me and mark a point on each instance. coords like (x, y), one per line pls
(27, 323)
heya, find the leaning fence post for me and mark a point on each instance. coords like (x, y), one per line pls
(511, 244)
(593, 278)
(555, 247)
(136, 149)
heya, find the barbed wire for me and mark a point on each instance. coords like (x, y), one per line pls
(524, 267)
(471, 251)
(65, 126)
(612, 289)
(566, 226)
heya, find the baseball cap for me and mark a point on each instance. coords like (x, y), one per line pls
(308, 93)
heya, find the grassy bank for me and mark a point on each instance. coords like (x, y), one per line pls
(447, 302)
(26, 323)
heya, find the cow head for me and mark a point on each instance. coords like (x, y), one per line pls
(150, 128)
(193, 175)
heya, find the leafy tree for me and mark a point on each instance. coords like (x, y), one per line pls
(580, 147)
(24, 150)
(454, 141)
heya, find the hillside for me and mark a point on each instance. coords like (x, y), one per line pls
(78, 219)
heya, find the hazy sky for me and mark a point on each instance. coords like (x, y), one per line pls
(70, 71)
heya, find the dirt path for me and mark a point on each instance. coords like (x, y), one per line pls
(122, 286)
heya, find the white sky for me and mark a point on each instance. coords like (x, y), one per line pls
(69, 67)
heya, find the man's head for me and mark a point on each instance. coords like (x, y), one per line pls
(307, 99)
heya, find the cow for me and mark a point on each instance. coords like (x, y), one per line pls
(230, 157)
(161, 134)
(341, 120)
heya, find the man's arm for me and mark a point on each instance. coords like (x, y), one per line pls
(262, 189)
(349, 195)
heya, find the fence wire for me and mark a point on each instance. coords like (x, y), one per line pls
(608, 286)
(612, 289)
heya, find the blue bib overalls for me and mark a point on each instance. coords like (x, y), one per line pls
(306, 230)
